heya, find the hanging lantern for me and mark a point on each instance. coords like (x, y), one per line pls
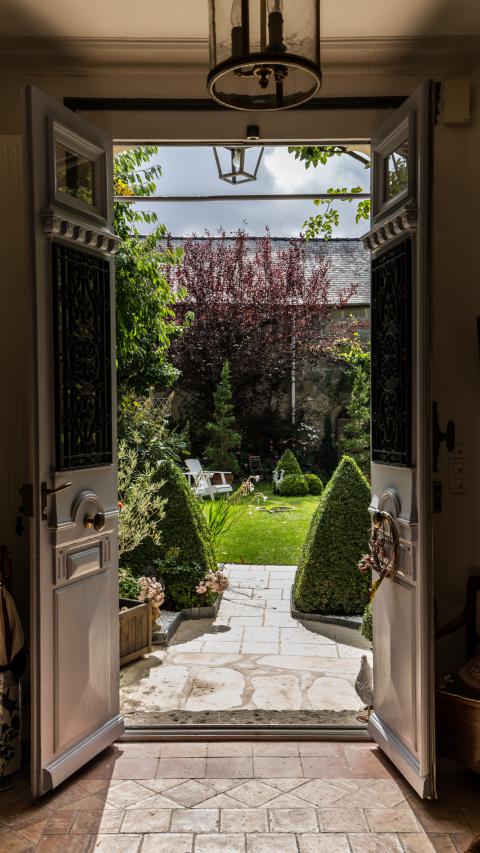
(239, 164)
(264, 54)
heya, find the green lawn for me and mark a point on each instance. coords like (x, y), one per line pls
(268, 538)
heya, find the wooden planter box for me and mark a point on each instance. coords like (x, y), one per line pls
(135, 630)
(458, 728)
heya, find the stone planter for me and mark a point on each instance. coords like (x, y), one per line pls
(135, 630)
(327, 618)
(169, 622)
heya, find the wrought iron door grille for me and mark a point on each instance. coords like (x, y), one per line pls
(391, 356)
(82, 358)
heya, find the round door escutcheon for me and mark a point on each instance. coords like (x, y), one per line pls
(99, 521)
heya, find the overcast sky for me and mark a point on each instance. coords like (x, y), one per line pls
(192, 171)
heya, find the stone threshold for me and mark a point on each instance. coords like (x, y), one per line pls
(169, 621)
(245, 717)
(327, 618)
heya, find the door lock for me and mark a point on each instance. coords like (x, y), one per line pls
(45, 492)
(97, 521)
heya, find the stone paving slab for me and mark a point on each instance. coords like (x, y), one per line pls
(252, 657)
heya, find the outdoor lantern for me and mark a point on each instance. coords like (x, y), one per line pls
(264, 54)
(239, 164)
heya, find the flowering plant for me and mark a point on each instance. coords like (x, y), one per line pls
(213, 582)
(151, 590)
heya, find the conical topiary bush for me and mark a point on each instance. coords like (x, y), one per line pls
(183, 528)
(327, 578)
(288, 463)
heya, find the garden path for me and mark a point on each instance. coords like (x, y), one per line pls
(253, 659)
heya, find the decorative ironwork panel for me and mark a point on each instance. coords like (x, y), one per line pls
(82, 358)
(391, 356)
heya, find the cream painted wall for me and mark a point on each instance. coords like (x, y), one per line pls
(456, 360)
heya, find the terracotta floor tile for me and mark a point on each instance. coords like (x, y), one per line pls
(97, 822)
(375, 843)
(439, 819)
(142, 749)
(392, 820)
(320, 792)
(220, 844)
(117, 843)
(272, 843)
(253, 793)
(33, 832)
(182, 768)
(184, 750)
(146, 820)
(195, 820)
(243, 820)
(323, 843)
(13, 842)
(234, 768)
(174, 842)
(325, 767)
(191, 792)
(282, 767)
(242, 749)
(418, 842)
(126, 794)
(64, 844)
(321, 747)
(342, 820)
(135, 768)
(293, 820)
(59, 823)
(277, 749)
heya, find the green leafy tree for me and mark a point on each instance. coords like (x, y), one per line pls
(223, 436)
(327, 453)
(323, 223)
(356, 434)
(327, 578)
(145, 301)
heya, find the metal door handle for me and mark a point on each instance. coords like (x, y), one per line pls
(45, 492)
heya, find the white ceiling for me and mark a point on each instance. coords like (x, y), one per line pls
(188, 19)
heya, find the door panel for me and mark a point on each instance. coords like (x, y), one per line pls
(403, 719)
(74, 554)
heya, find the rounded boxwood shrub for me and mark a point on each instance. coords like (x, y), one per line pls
(366, 628)
(314, 483)
(180, 582)
(183, 528)
(288, 463)
(327, 578)
(293, 485)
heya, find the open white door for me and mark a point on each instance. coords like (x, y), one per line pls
(74, 591)
(403, 719)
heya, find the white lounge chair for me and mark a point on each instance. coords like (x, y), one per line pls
(201, 481)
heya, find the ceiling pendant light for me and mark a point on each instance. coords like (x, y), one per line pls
(239, 164)
(264, 54)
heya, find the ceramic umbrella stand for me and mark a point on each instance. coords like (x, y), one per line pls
(12, 666)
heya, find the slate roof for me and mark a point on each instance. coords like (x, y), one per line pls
(349, 261)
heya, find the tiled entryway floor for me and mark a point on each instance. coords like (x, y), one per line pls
(247, 797)
(254, 655)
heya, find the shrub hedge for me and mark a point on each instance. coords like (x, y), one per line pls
(180, 582)
(293, 485)
(327, 578)
(366, 628)
(288, 463)
(314, 483)
(184, 530)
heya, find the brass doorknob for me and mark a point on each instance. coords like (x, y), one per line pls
(97, 521)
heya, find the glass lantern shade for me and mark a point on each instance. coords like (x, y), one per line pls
(238, 165)
(264, 54)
